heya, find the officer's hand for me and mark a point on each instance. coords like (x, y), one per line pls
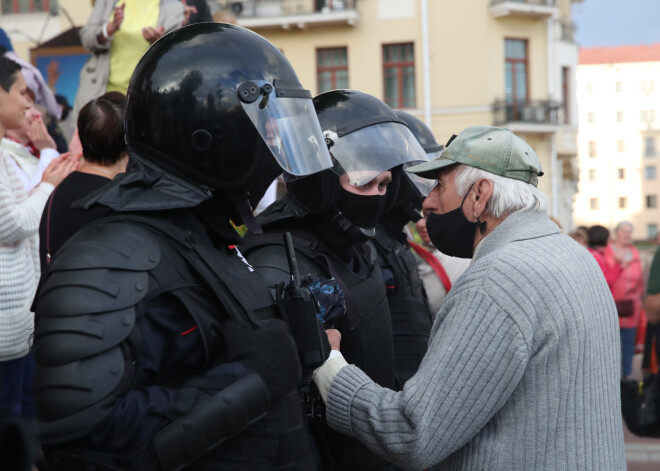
(270, 351)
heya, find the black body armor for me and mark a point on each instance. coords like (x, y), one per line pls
(366, 328)
(411, 314)
(94, 331)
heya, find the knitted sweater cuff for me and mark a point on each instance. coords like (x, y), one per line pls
(340, 398)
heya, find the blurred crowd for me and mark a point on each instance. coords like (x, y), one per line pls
(634, 280)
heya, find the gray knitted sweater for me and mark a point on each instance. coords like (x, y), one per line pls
(522, 370)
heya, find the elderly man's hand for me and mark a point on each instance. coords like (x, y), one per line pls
(334, 337)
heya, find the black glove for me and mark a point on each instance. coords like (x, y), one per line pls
(269, 350)
(329, 296)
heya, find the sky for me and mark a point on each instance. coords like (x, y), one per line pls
(617, 22)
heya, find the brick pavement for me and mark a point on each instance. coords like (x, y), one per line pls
(642, 454)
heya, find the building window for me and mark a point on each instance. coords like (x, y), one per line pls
(619, 116)
(649, 147)
(651, 231)
(592, 174)
(399, 73)
(623, 202)
(648, 116)
(331, 69)
(516, 91)
(618, 87)
(26, 6)
(646, 86)
(621, 173)
(651, 201)
(649, 172)
(620, 145)
(590, 88)
(591, 117)
(593, 203)
(592, 149)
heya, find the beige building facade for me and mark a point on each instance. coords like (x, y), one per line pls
(453, 64)
(508, 63)
(619, 138)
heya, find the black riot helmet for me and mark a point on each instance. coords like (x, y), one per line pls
(221, 107)
(423, 134)
(365, 138)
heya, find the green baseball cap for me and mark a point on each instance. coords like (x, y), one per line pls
(495, 150)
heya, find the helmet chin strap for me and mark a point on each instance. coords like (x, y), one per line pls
(357, 233)
(246, 215)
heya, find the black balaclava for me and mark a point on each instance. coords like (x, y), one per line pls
(361, 210)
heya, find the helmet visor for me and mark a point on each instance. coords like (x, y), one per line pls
(287, 123)
(424, 185)
(367, 152)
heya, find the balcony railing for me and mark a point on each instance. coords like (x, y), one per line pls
(528, 8)
(533, 111)
(285, 13)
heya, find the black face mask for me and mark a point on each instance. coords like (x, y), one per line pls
(361, 210)
(452, 233)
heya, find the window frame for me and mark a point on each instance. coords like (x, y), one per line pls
(332, 69)
(650, 169)
(648, 139)
(16, 9)
(621, 173)
(623, 202)
(399, 66)
(514, 103)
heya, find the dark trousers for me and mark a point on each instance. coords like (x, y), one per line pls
(16, 399)
(627, 349)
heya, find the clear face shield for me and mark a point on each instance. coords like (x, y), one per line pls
(363, 154)
(423, 185)
(286, 120)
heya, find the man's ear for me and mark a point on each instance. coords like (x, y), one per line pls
(481, 194)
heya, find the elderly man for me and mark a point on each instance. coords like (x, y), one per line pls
(522, 370)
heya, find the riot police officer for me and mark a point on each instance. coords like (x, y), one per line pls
(332, 216)
(412, 316)
(157, 345)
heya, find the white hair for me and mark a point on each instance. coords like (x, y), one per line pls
(509, 194)
(623, 224)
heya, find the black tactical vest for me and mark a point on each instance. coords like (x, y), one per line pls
(88, 338)
(366, 329)
(411, 314)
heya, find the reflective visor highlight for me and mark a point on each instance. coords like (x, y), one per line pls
(290, 128)
(367, 152)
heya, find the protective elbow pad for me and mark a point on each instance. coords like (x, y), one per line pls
(218, 418)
